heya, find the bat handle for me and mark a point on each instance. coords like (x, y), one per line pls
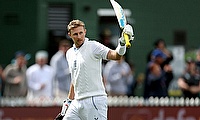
(126, 37)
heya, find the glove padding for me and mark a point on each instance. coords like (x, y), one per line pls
(59, 117)
(65, 106)
(129, 31)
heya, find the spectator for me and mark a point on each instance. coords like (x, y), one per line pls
(15, 77)
(157, 79)
(131, 86)
(138, 87)
(167, 57)
(118, 76)
(40, 77)
(105, 37)
(161, 45)
(189, 82)
(60, 65)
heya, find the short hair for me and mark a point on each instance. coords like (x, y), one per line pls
(75, 24)
(64, 42)
(20, 53)
(158, 41)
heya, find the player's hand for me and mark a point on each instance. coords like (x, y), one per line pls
(59, 117)
(128, 30)
(65, 106)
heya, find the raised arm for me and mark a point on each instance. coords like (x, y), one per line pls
(113, 55)
(121, 48)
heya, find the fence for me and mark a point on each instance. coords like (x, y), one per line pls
(120, 108)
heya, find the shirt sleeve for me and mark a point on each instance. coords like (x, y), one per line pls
(100, 51)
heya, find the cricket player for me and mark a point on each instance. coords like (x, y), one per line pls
(87, 99)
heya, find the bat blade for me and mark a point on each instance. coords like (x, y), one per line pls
(119, 13)
(121, 19)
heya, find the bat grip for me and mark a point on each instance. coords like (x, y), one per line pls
(126, 37)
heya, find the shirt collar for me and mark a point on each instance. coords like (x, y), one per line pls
(75, 48)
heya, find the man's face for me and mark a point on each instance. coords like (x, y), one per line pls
(64, 47)
(41, 61)
(78, 35)
(21, 61)
(159, 60)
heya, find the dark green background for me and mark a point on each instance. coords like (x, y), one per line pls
(23, 24)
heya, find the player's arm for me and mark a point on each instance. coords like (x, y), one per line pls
(71, 92)
(113, 55)
(66, 103)
(121, 48)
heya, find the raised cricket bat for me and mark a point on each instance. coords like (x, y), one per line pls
(121, 19)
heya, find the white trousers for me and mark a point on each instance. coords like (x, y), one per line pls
(91, 108)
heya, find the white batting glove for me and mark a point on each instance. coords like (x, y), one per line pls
(65, 106)
(122, 41)
(129, 31)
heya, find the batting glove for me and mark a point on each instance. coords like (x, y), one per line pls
(129, 31)
(65, 106)
(59, 117)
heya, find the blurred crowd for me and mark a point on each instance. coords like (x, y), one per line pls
(40, 80)
(51, 79)
(121, 79)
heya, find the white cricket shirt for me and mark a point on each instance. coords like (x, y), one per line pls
(85, 64)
